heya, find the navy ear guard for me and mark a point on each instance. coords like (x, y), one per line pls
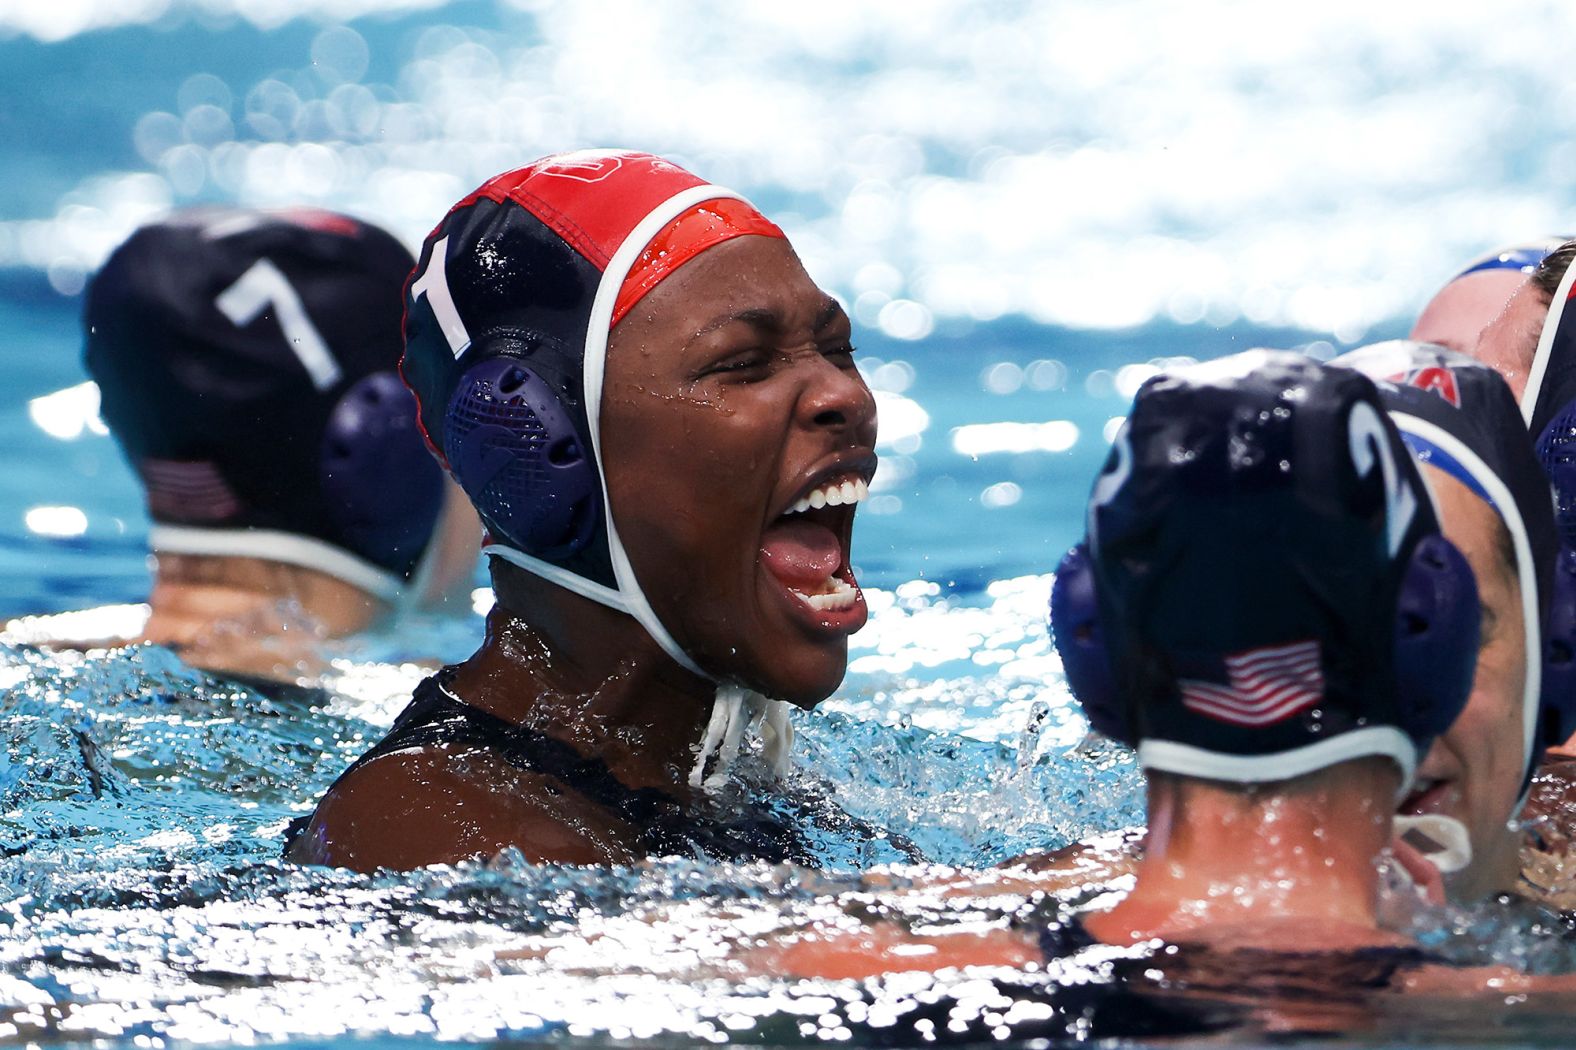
(1556, 449)
(515, 450)
(1436, 641)
(383, 491)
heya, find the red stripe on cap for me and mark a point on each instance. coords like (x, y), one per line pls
(593, 199)
(707, 224)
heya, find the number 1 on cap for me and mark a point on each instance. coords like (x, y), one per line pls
(434, 284)
(263, 285)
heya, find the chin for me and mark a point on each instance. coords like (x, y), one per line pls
(802, 682)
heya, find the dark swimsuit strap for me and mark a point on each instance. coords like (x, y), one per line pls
(437, 716)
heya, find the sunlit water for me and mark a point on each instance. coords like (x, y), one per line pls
(1100, 189)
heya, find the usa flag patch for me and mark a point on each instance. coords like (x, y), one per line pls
(1265, 686)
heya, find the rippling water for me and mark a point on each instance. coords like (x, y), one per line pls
(142, 803)
(1028, 208)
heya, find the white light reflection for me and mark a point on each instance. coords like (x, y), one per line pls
(56, 522)
(68, 414)
(902, 422)
(1046, 176)
(1001, 494)
(982, 439)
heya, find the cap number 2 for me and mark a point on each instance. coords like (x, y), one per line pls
(1367, 442)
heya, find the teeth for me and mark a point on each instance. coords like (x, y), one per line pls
(833, 494)
(840, 595)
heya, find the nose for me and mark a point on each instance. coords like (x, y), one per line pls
(838, 400)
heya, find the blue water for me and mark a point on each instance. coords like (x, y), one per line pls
(1026, 207)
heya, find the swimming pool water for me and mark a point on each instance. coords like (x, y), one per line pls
(1019, 252)
(142, 901)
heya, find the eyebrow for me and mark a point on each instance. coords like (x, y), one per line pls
(768, 320)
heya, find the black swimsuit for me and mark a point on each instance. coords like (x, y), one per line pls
(666, 826)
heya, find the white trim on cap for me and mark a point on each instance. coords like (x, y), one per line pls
(598, 329)
(1526, 574)
(1540, 359)
(1187, 760)
(272, 545)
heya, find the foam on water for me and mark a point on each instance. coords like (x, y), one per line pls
(142, 803)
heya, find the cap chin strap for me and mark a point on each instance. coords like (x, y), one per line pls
(1451, 844)
(290, 548)
(735, 708)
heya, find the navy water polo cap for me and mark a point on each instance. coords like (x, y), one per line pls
(1522, 257)
(1263, 590)
(1458, 415)
(246, 365)
(506, 332)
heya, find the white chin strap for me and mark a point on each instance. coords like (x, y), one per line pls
(1443, 841)
(734, 711)
(735, 708)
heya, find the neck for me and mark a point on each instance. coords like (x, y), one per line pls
(250, 616)
(591, 677)
(1280, 860)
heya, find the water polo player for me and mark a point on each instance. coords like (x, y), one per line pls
(1465, 304)
(246, 363)
(1461, 421)
(1470, 785)
(656, 413)
(1265, 609)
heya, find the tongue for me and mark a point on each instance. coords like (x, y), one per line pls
(800, 552)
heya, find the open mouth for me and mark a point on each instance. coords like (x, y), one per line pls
(806, 548)
(1427, 796)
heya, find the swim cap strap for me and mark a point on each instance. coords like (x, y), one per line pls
(734, 711)
(569, 581)
(597, 332)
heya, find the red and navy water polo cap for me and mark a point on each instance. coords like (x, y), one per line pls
(507, 320)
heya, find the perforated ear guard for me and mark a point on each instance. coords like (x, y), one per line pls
(382, 489)
(1075, 626)
(1556, 449)
(512, 446)
(1436, 641)
(1437, 629)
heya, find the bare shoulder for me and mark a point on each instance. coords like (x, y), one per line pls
(442, 805)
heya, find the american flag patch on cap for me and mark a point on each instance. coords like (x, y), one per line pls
(191, 490)
(1266, 686)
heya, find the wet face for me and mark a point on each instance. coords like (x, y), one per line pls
(1511, 339)
(1461, 309)
(1473, 772)
(737, 438)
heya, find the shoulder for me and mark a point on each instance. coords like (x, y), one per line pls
(442, 804)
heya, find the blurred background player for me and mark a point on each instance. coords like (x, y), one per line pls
(246, 363)
(1464, 306)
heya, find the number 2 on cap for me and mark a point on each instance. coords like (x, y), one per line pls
(434, 284)
(1367, 441)
(262, 286)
